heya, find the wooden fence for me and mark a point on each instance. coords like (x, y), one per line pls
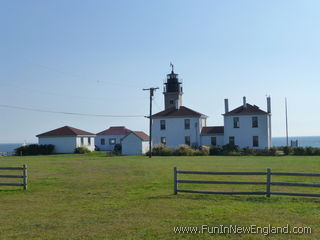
(24, 177)
(267, 183)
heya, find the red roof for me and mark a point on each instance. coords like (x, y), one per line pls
(65, 131)
(212, 130)
(119, 130)
(142, 135)
(246, 110)
(139, 134)
(181, 112)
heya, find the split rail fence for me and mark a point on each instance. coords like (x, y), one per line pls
(267, 183)
(23, 176)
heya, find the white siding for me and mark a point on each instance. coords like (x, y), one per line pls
(175, 132)
(86, 144)
(206, 139)
(107, 146)
(244, 134)
(65, 144)
(133, 145)
(145, 146)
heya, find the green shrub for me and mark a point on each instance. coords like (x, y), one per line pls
(287, 150)
(299, 151)
(35, 149)
(81, 150)
(216, 150)
(117, 149)
(184, 150)
(161, 150)
(247, 151)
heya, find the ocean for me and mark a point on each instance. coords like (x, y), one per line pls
(276, 141)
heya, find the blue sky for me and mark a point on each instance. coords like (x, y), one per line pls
(96, 56)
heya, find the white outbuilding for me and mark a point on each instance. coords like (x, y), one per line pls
(135, 143)
(66, 139)
(107, 139)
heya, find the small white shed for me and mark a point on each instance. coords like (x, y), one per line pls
(66, 139)
(135, 143)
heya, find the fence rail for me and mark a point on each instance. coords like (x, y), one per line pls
(268, 183)
(24, 177)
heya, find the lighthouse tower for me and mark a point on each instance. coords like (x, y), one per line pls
(172, 90)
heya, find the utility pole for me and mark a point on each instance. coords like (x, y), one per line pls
(151, 90)
(287, 136)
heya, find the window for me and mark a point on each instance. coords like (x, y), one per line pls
(255, 141)
(89, 141)
(112, 141)
(187, 140)
(231, 140)
(214, 141)
(82, 140)
(236, 122)
(102, 141)
(187, 124)
(171, 101)
(254, 122)
(163, 140)
(162, 124)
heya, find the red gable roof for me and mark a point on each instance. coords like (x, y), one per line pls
(181, 112)
(142, 135)
(119, 130)
(246, 110)
(212, 130)
(65, 131)
(139, 134)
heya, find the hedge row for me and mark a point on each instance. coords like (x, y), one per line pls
(35, 149)
(232, 150)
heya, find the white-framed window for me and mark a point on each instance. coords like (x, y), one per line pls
(236, 122)
(255, 141)
(255, 122)
(163, 140)
(187, 124)
(82, 140)
(89, 141)
(112, 141)
(214, 141)
(162, 124)
(187, 140)
(231, 140)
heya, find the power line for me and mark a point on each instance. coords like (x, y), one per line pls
(68, 113)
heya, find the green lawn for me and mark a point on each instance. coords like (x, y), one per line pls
(96, 197)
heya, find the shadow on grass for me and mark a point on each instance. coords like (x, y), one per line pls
(262, 199)
(11, 191)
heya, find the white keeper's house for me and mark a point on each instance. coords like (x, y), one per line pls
(66, 139)
(245, 126)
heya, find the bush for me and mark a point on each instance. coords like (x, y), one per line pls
(247, 151)
(81, 150)
(216, 150)
(35, 149)
(161, 150)
(287, 150)
(299, 151)
(184, 150)
(117, 149)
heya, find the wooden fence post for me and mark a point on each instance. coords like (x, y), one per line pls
(175, 184)
(268, 192)
(25, 177)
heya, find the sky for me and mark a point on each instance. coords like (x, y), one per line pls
(95, 57)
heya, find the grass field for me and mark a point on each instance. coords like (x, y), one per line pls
(91, 196)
